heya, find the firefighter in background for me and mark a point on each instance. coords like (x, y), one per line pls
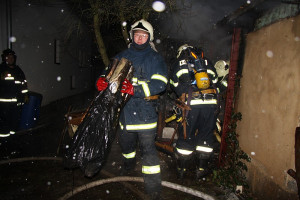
(138, 119)
(222, 69)
(194, 77)
(13, 93)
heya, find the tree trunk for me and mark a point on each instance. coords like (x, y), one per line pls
(98, 35)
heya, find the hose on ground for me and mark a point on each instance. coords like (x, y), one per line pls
(136, 179)
(111, 180)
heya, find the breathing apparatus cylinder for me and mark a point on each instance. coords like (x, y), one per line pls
(200, 73)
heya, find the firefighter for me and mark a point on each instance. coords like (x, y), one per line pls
(194, 78)
(138, 119)
(13, 93)
(222, 69)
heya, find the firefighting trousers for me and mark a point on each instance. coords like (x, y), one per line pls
(150, 160)
(201, 123)
(10, 115)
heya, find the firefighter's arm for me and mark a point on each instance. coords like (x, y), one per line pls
(155, 83)
(180, 79)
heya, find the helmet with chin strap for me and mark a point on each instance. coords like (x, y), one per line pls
(142, 25)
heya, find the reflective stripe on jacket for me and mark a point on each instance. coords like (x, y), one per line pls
(149, 78)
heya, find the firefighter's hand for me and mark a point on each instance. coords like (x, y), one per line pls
(127, 87)
(101, 84)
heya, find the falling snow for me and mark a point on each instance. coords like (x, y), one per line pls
(269, 53)
(158, 6)
(12, 39)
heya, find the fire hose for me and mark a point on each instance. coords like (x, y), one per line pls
(111, 180)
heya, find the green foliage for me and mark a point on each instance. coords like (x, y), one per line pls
(232, 172)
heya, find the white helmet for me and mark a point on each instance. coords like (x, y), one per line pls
(144, 26)
(222, 68)
(181, 48)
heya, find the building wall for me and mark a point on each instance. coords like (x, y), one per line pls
(269, 99)
(36, 26)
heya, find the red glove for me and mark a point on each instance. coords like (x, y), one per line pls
(101, 84)
(127, 87)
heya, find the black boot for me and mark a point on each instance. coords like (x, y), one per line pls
(202, 160)
(181, 168)
(128, 166)
(181, 164)
(202, 171)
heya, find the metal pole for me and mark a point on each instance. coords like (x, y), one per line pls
(8, 23)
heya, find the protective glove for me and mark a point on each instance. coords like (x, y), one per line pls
(127, 87)
(102, 84)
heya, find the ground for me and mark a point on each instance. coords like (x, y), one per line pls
(31, 166)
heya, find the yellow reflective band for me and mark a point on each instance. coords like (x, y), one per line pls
(24, 91)
(134, 80)
(4, 135)
(209, 71)
(18, 82)
(9, 78)
(173, 83)
(215, 80)
(8, 100)
(145, 88)
(151, 169)
(129, 155)
(224, 83)
(182, 71)
(184, 152)
(184, 169)
(139, 126)
(12, 132)
(204, 149)
(160, 77)
(200, 101)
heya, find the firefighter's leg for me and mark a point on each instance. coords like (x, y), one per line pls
(4, 122)
(205, 139)
(185, 147)
(127, 142)
(182, 158)
(150, 164)
(202, 159)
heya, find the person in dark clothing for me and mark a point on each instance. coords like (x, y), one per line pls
(193, 77)
(138, 119)
(13, 93)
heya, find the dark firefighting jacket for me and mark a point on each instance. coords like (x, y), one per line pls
(13, 84)
(150, 78)
(182, 81)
